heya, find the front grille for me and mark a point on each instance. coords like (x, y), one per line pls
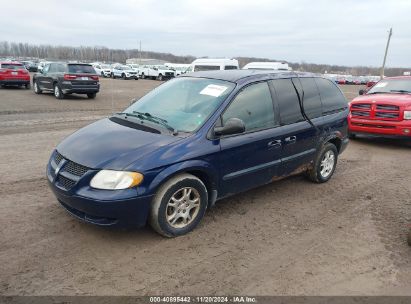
(361, 106)
(390, 115)
(57, 158)
(65, 182)
(69, 174)
(169, 74)
(75, 169)
(360, 113)
(388, 107)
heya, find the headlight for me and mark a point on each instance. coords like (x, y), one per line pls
(116, 180)
(407, 115)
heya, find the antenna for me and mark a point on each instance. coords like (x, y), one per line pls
(385, 55)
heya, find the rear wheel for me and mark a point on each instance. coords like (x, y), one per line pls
(28, 86)
(123, 76)
(409, 237)
(91, 95)
(351, 135)
(179, 205)
(324, 164)
(160, 77)
(143, 76)
(57, 92)
(36, 88)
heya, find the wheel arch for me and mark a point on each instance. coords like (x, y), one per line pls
(204, 171)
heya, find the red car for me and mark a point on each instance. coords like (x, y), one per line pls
(384, 110)
(14, 74)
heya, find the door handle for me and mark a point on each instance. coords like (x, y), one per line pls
(290, 140)
(274, 144)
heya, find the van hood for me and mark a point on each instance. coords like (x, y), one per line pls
(390, 99)
(106, 144)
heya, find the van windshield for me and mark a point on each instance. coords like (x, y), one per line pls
(183, 103)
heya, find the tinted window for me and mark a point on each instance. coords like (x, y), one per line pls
(81, 69)
(254, 106)
(230, 67)
(332, 98)
(52, 68)
(290, 111)
(312, 100)
(206, 67)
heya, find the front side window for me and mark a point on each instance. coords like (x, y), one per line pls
(290, 111)
(254, 106)
(183, 103)
(230, 67)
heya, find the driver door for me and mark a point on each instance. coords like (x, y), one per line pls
(251, 158)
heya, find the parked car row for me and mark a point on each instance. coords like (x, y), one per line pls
(349, 79)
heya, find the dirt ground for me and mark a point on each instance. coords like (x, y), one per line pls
(345, 237)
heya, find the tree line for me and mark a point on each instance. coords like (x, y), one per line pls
(21, 50)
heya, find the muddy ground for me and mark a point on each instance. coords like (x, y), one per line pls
(345, 237)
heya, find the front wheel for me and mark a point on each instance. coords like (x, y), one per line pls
(324, 164)
(91, 95)
(409, 237)
(28, 86)
(179, 205)
(143, 76)
(160, 77)
(124, 76)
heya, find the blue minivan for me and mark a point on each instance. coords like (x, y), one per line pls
(196, 139)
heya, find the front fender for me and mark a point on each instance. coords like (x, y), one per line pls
(187, 166)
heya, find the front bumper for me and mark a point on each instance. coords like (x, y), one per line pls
(132, 212)
(120, 208)
(380, 127)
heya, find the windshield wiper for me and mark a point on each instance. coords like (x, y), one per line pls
(400, 91)
(155, 119)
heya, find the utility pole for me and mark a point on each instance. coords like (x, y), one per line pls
(385, 55)
(140, 52)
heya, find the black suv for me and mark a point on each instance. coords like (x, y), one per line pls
(67, 78)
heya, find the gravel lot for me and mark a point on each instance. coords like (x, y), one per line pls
(345, 237)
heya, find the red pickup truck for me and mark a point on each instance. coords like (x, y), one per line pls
(14, 74)
(384, 110)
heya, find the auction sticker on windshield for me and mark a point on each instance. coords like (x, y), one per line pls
(213, 90)
(381, 84)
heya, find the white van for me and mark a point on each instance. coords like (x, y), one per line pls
(208, 64)
(270, 65)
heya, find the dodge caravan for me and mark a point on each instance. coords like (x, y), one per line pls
(196, 139)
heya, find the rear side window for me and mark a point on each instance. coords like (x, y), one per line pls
(288, 103)
(230, 67)
(254, 106)
(312, 100)
(81, 69)
(332, 98)
(12, 66)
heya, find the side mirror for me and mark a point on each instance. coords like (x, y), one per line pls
(361, 92)
(232, 126)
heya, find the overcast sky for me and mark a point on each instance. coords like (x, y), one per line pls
(345, 32)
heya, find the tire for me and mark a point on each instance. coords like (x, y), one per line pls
(91, 95)
(28, 87)
(57, 92)
(351, 135)
(102, 74)
(324, 164)
(143, 76)
(112, 76)
(160, 77)
(123, 76)
(181, 187)
(36, 88)
(409, 238)
(136, 78)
